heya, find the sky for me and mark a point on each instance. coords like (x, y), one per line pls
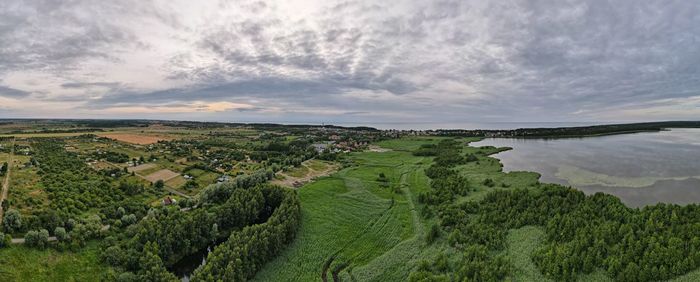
(328, 61)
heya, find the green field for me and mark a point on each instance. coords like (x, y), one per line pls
(317, 165)
(19, 263)
(349, 220)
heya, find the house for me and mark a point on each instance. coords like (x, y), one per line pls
(223, 178)
(320, 147)
(169, 201)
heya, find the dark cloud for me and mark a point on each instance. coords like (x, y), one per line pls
(12, 93)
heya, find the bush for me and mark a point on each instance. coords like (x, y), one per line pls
(433, 234)
(37, 239)
(5, 240)
(12, 221)
(61, 234)
(159, 185)
(128, 219)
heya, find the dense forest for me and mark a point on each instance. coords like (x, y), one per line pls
(260, 220)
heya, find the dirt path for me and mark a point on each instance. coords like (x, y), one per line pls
(6, 182)
(290, 181)
(417, 225)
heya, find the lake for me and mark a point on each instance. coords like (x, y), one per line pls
(641, 168)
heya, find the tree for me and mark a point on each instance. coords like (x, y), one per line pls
(5, 240)
(12, 221)
(121, 211)
(214, 232)
(191, 184)
(60, 234)
(128, 219)
(433, 234)
(127, 277)
(159, 185)
(152, 268)
(38, 239)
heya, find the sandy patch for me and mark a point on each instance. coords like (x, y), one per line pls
(135, 138)
(375, 148)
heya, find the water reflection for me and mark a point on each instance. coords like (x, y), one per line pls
(641, 169)
(183, 269)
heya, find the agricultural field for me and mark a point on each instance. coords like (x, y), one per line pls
(132, 138)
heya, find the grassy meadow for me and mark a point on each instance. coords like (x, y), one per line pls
(19, 263)
(357, 226)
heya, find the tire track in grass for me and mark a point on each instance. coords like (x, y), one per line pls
(377, 223)
(405, 250)
(418, 230)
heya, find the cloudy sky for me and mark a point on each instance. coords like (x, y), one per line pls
(351, 61)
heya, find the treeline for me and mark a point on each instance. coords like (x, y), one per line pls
(446, 182)
(146, 249)
(578, 131)
(67, 130)
(246, 251)
(110, 156)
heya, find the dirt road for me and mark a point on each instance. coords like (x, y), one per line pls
(6, 181)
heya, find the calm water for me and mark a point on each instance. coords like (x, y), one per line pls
(184, 268)
(641, 169)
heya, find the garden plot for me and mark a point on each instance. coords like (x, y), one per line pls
(141, 167)
(163, 174)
